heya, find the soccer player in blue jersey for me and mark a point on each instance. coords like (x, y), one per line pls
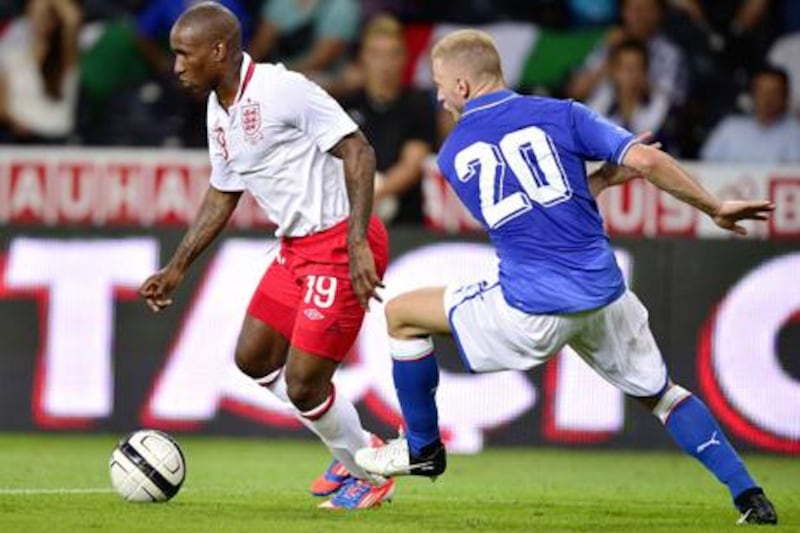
(517, 163)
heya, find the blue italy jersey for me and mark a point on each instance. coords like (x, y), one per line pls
(517, 163)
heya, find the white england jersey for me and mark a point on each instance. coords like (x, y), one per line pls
(274, 142)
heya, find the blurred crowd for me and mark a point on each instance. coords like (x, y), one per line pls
(717, 80)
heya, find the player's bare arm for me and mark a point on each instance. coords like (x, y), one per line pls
(214, 213)
(359, 170)
(666, 174)
(609, 174)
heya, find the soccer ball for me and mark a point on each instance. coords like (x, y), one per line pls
(147, 466)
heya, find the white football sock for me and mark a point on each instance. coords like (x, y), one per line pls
(276, 384)
(337, 423)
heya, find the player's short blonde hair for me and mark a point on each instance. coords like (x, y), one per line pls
(474, 49)
(384, 26)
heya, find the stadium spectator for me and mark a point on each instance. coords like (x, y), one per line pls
(39, 72)
(309, 36)
(740, 30)
(632, 103)
(642, 20)
(735, 15)
(399, 122)
(785, 53)
(767, 135)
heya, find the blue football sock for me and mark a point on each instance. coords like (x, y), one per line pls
(697, 433)
(416, 381)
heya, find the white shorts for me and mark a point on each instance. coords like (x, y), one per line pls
(614, 340)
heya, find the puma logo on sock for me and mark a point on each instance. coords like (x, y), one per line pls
(713, 440)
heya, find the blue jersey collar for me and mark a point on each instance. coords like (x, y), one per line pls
(488, 100)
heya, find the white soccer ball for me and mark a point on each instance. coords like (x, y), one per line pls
(147, 466)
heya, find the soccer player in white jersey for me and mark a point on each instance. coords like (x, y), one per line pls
(284, 140)
(518, 164)
(280, 137)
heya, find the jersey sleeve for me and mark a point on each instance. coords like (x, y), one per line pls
(598, 138)
(303, 104)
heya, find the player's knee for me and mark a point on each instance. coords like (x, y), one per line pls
(305, 394)
(252, 361)
(395, 317)
(668, 401)
(245, 363)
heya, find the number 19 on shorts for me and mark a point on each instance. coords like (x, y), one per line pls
(320, 291)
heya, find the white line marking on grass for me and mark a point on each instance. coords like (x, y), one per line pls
(16, 492)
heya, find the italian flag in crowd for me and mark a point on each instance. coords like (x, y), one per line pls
(533, 57)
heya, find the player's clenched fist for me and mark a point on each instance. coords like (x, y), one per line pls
(157, 289)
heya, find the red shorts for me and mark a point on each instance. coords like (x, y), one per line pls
(306, 294)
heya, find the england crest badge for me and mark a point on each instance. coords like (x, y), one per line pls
(251, 121)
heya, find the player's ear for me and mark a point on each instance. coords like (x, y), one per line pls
(220, 51)
(462, 87)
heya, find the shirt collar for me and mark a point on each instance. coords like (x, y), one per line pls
(245, 75)
(488, 100)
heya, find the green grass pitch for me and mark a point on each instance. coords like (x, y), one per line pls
(58, 483)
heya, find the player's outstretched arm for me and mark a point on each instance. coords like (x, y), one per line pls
(609, 174)
(665, 173)
(214, 213)
(359, 171)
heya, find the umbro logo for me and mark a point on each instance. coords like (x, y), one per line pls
(313, 314)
